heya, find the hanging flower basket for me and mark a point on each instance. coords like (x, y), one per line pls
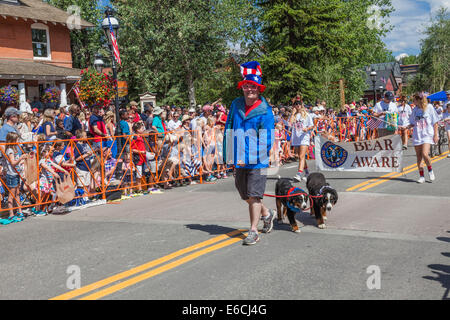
(51, 95)
(9, 95)
(96, 88)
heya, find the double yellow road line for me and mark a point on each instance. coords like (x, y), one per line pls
(140, 273)
(391, 175)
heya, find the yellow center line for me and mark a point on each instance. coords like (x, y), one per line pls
(159, 270)
(362, 184)
(376, 179)
(435, 159)
(99, 284)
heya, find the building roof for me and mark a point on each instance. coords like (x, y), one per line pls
(385, 79)
(16, 69)
(394, 66)
(37, 10)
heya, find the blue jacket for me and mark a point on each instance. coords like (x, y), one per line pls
(248, 139)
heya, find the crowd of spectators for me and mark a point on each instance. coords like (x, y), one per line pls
(157, 148)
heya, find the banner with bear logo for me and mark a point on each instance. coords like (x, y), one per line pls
(379, 155)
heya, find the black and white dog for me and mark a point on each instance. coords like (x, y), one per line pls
(323, 197)
(289, 206)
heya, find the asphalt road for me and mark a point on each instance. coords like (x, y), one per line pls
(388, 241)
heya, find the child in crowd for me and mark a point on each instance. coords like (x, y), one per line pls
(63, 158)
(47, 178)
(83, 154)
(14, 167)
(126, 179)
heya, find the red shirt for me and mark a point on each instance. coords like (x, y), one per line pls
(137, 118)
(138, 144)
(250, 108)
(222, 118)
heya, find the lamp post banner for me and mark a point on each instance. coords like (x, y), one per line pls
(379, 155)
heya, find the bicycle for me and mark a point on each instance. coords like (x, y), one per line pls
(438, 149)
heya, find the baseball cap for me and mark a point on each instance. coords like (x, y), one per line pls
(389, 95)
(11, 111)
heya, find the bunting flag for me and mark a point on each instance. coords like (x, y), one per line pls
(374, 123)
(114, 43)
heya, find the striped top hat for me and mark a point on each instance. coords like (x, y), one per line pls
(251, 72)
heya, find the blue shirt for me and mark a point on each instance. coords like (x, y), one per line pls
(157, 123)
(5, 130)
(252, 135)
(72, 124)
(124, 127)
(79, 150)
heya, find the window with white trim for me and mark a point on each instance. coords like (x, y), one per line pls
(41, 41)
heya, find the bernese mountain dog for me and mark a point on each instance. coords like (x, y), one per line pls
(322, 197)
(289, 206)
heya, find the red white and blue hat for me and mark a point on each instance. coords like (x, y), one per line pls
(251, 72)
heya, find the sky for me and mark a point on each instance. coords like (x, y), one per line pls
(409, 20)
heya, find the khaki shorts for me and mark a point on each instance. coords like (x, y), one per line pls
(84, 178)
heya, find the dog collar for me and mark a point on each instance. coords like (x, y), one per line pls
(288, 204)
(321, 190)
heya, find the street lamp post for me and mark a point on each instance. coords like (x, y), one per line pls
(106, 28)
(373, 76)
(98, 63)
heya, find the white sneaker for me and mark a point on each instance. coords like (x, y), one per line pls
(432, 177)
(421, 180)
(298, 177)
(305, 177)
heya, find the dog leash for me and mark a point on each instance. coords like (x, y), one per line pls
(293, 195)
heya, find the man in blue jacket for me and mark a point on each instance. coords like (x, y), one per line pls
(248, 138)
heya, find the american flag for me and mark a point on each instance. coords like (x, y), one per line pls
(76, 90)
(114, 43)
(374, 123)
(246, 71)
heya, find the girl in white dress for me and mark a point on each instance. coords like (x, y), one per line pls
(404, 112)
(302, 124)
(424, 120)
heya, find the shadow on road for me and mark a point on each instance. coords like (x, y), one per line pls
(212, 229)
(304, 218)
(442, 272)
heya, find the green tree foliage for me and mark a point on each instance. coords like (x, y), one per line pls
(410, 60)
(311, 44)
(85, 43)
(434, 59)
(172, 47)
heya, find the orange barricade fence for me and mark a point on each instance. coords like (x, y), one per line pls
(97, 167)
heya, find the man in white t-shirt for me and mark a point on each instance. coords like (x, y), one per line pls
(174, 123)
(381, 109)
(315, 113)
(25, 106)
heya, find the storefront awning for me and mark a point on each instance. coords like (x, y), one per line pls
(31, 70)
